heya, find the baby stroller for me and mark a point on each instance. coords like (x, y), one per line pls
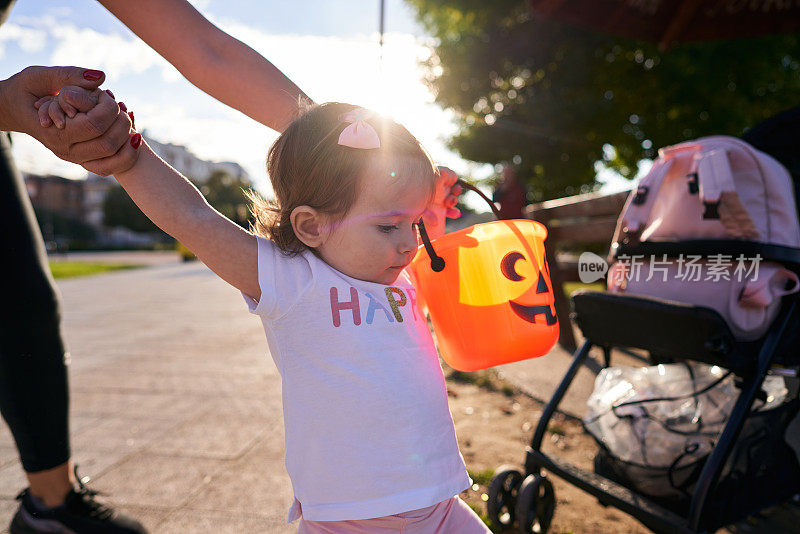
(751, 467)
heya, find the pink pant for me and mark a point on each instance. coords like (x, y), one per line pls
(452, 516)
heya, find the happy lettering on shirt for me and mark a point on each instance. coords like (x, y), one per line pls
(370, 307)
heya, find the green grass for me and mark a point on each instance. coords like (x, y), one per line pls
(487, 379)
(71, 269)
(484, 379)
(571, 287)
(481, 477)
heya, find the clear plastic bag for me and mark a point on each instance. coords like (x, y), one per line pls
(666, 416)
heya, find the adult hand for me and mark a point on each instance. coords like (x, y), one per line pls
(71, 104)
(69, 101)
(98, 134)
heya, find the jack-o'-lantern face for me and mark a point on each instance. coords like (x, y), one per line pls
(542, 306)
(524, 281)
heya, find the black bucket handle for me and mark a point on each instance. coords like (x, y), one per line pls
(437, 262)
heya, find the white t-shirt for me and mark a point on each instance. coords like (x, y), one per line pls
(368, 429)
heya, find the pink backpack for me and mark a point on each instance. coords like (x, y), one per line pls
(711, 188)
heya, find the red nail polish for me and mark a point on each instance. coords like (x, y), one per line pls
(136, 140)
(133, 122)
(110, 93)
(93, 75)
(123, 107)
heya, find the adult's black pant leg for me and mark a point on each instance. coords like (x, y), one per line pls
(34, 395)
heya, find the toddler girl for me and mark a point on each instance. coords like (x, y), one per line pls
(370, 442)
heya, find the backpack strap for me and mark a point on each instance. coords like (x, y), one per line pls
(718, 194)
(714, 177)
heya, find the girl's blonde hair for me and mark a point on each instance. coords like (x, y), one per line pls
(307, 166)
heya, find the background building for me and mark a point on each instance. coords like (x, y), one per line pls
(191, 166)
(67, 208)
(56, 194)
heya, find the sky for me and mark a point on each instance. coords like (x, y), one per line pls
(329, 49)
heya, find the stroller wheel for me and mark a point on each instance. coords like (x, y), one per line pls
(536, 504)
(503, 496)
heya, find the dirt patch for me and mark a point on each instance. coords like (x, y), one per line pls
(495, 423)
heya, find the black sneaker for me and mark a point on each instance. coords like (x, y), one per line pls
(80, 514)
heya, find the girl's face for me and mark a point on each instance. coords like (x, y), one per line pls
(378, 236)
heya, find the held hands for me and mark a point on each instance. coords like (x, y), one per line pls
(113, 149)
(54, 110)
(444, 203)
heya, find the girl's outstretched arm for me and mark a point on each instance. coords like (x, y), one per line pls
(168, 199)
(174, 204)
(215, 62)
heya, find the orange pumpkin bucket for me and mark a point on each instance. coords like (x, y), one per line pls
(487, 289)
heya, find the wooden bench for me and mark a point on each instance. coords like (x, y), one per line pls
(572, 223)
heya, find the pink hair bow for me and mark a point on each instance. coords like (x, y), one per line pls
(359, 133)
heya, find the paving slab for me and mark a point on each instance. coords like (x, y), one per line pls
(119, 434)
(92, 463)
(173, 392)
(8, 508)
(216, 522)
(159, 481)
(245, 487)
(8, 453)
(221, 434)
(159, 378)
(134, 404)
(6, 440)
(12, 480)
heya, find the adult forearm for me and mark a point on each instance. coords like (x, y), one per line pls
(16, 109)
(6, 108)
(212, 60)
(240, 77)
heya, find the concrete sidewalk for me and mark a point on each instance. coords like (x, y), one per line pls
(539, 377)
(175, 403)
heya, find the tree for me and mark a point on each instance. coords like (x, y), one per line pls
(227, 194)
(557, 99)
(223, 191)
(119, 210)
